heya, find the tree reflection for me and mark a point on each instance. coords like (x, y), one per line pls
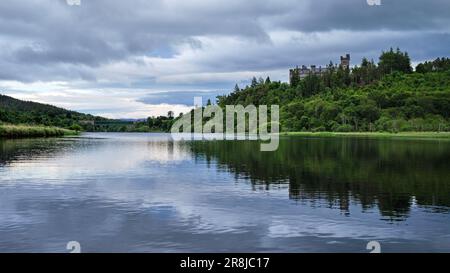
(392, 175)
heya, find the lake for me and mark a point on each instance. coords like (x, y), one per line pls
(147, 193)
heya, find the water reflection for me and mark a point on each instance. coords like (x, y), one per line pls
(23, 149)
(144, 192)
(392, 175)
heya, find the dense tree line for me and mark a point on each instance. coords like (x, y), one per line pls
(387, 96)
(161, 123)
(440, 64)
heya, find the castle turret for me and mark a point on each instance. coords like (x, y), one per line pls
(345, 61)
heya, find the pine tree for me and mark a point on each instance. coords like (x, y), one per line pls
(260, 81)
(236, 88)
(254, 82)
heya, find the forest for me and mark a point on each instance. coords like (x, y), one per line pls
(387, 96)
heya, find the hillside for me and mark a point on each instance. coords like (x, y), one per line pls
(16, 111)
(370, 97)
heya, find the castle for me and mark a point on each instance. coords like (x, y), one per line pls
(303, 71)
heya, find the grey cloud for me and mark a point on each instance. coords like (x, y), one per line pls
(105, 30)
(49, 40)
(420, 45)
(180, 97)
(406, 15)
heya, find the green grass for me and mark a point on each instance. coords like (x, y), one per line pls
(415, 135)
(24, 131)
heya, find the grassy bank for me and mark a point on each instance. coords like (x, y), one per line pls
(415, 135)
(24, 131)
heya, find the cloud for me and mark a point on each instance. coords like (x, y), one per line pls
(111, 103)
(180, 97)
(398, 15)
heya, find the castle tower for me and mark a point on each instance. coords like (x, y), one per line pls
(292, 73)
(345, 61)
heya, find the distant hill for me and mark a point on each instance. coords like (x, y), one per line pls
(16, 111)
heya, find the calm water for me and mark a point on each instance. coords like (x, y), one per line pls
(145, 193)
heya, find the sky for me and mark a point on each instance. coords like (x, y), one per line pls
(140, 58)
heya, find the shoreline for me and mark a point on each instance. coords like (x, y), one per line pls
(409, 135)
(8, 131)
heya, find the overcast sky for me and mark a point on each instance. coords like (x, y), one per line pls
(138, 58)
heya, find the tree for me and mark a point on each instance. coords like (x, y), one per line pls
(236, 88)
(311, 85)
(260, 81)
(422, 68)
(170, 114)
(254, 82)
(392, 61)
(76, 127)
(150, 122)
